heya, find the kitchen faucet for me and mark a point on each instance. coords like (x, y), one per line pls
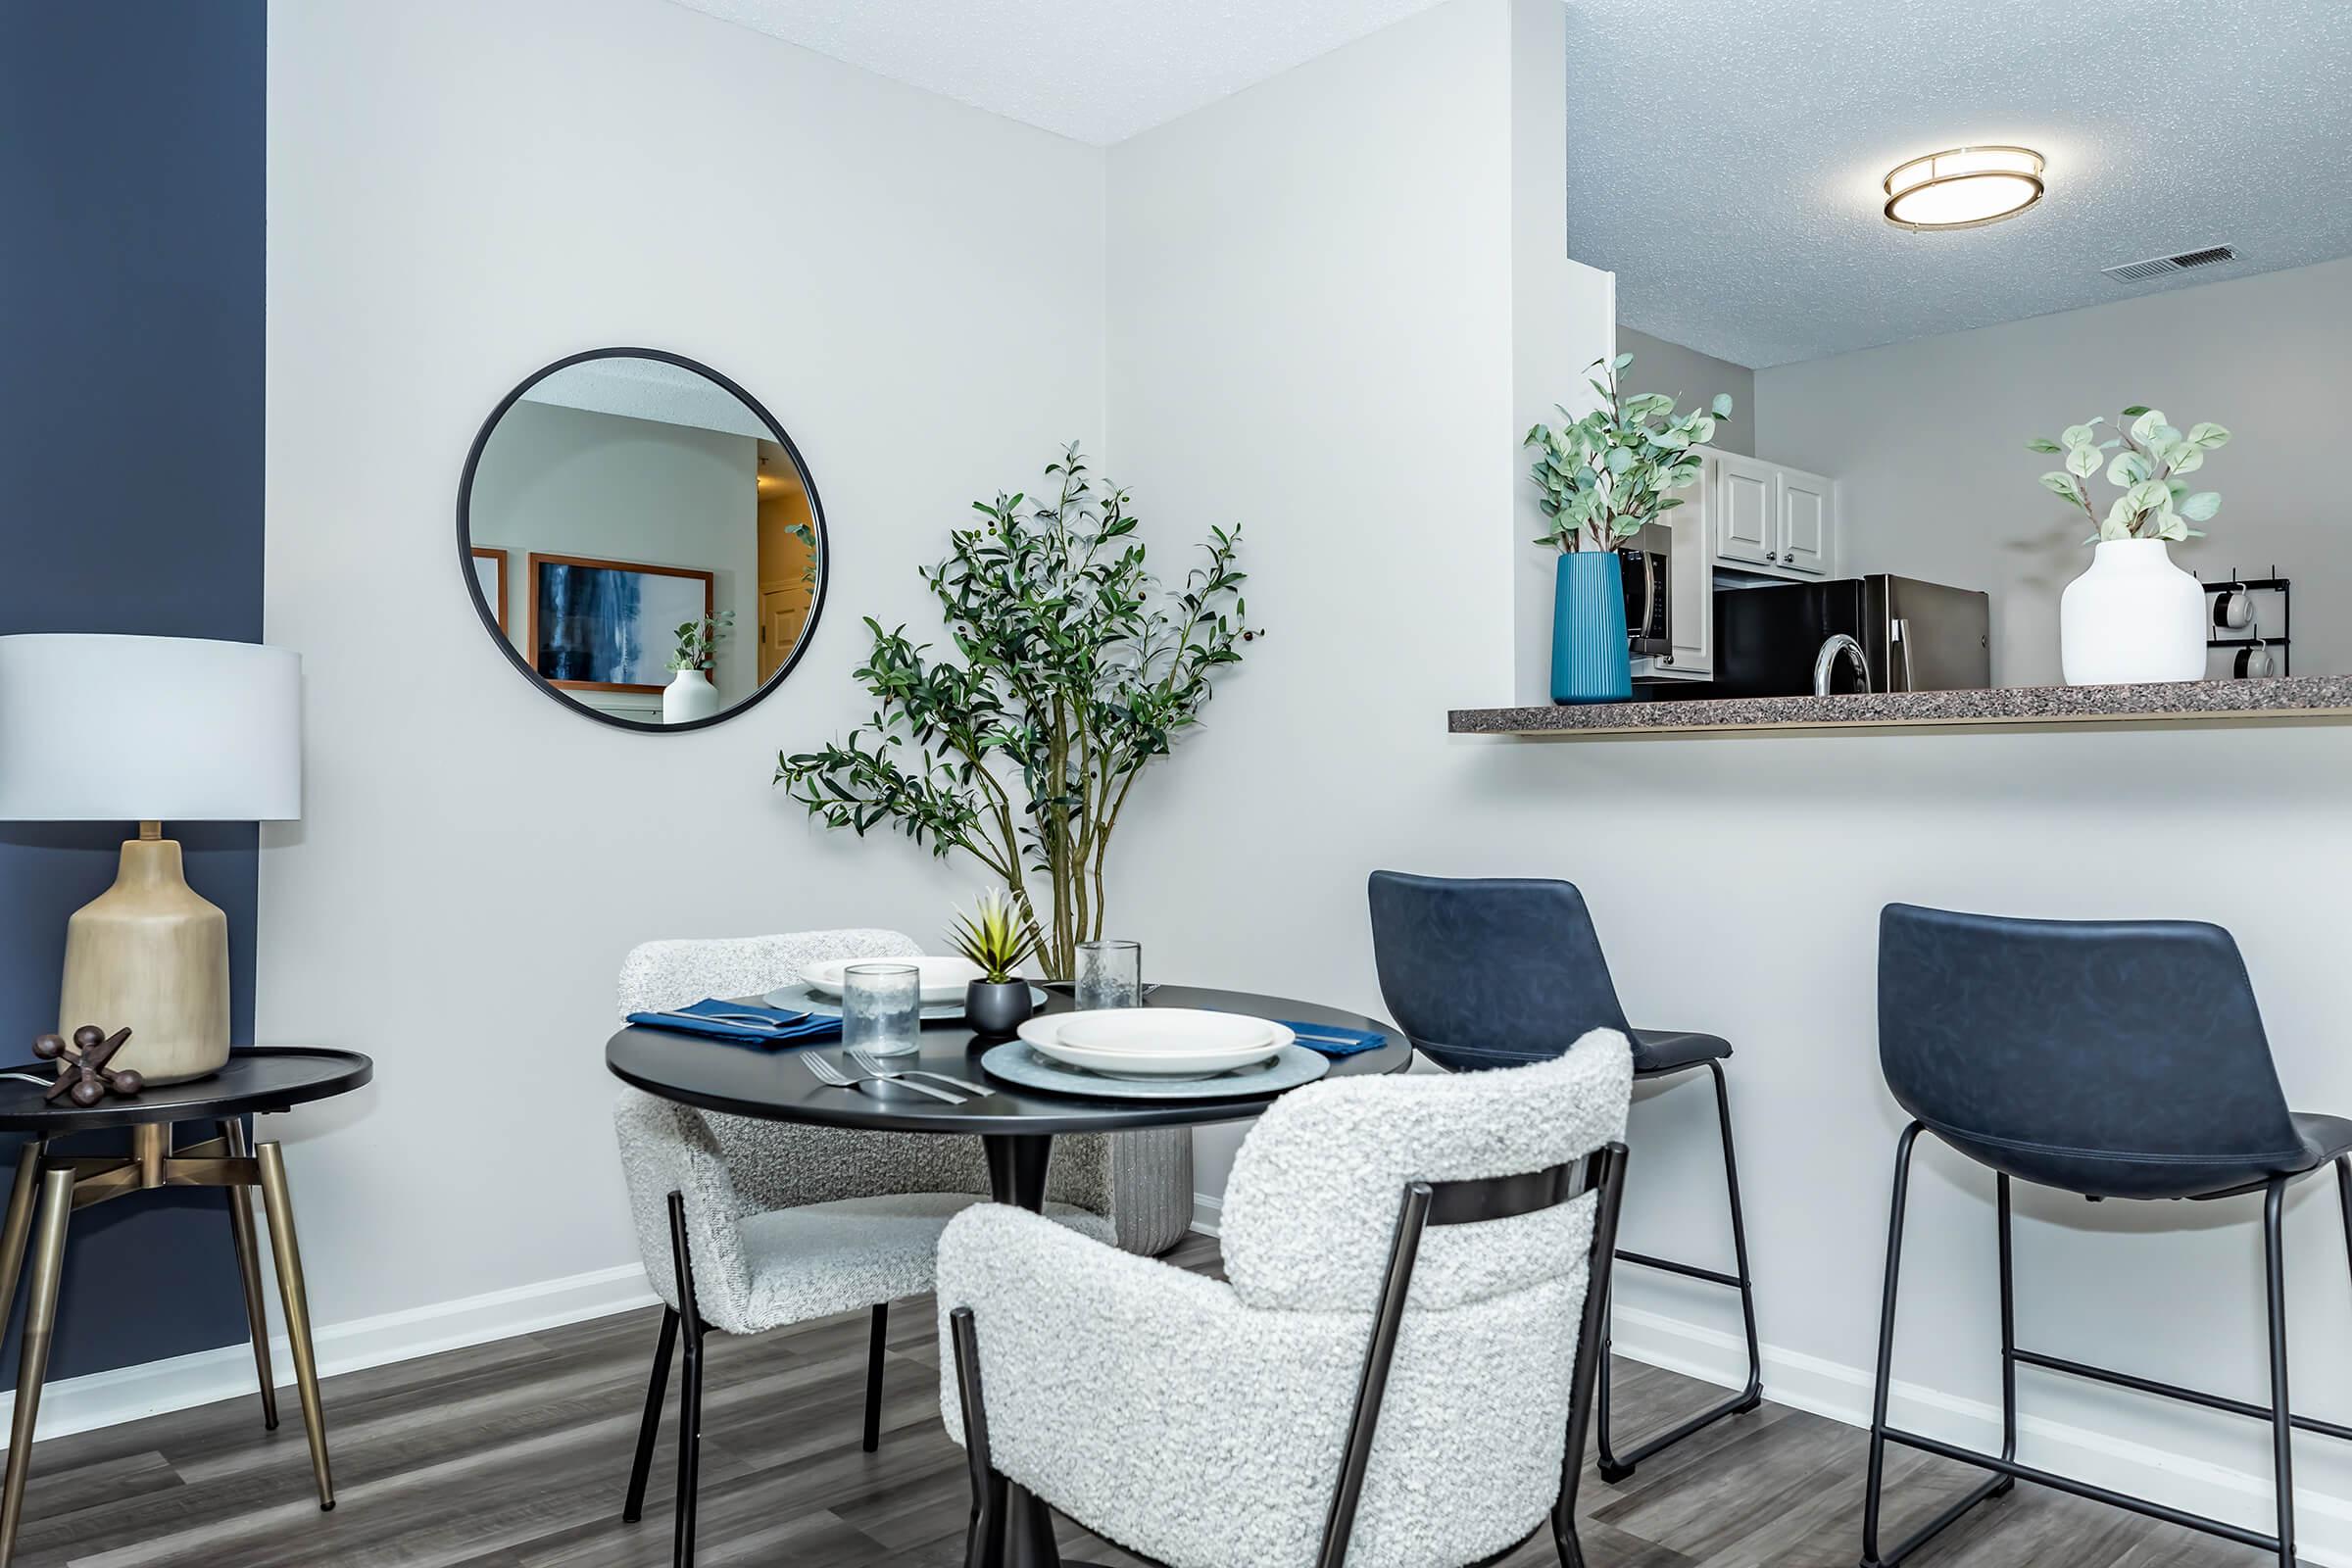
(1826, 661)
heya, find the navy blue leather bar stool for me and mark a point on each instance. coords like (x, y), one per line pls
(2109, 1058)
(1499, 971)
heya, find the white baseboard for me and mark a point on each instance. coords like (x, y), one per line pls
(1842, 1393)
(1209, 1214)
(104, 1398)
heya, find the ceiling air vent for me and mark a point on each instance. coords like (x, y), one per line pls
(2158, 266)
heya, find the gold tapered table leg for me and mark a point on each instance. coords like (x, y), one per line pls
(19, 1226)
(249, 1269)
(277, 1203)
(40, 1325)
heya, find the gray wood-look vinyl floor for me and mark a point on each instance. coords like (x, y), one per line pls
(514, 1456)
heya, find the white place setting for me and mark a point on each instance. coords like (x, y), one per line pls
(1155, 1054)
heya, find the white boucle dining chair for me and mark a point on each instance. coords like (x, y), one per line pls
(1420, 1257)
(746, 1225)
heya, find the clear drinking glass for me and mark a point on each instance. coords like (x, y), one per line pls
(881, 1007)
(1111, 974)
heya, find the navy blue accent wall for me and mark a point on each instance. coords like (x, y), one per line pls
(130, 500)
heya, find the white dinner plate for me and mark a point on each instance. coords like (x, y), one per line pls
(943, 979)
(1155, 1043)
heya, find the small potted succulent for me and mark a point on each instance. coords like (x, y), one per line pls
(691, 696)
(2133, 615)
(996, 938)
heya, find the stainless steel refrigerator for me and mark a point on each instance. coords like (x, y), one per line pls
(1918, 636)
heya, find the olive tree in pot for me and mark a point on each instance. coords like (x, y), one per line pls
(2133, 615)
(1073, 670)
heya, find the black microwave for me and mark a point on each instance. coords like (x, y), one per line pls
(1648, 569)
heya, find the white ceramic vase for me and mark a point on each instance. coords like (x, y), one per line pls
(689, 697)
(2133, 616)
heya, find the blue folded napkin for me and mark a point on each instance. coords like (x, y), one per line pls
(1333, 1040)
(778, 1026)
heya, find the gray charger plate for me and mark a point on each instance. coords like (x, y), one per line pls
(808, 999)
(1017, 1062)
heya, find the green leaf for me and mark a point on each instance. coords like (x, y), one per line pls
(2078, 435)
(2146, 426)
(2134, 410)
(2042, 443)
(2063, 484)
(2201, 507)
(2127, 470)
(2082, 461)
(2209, 435)
(1721, 406)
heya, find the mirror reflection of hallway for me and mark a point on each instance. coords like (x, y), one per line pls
(787, 559)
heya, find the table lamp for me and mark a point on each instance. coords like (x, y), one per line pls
(149, 729)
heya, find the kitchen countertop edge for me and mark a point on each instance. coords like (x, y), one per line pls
(2277, 700)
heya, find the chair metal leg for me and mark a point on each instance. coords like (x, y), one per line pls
(873, 1376)
(2282, 1458)
(40, 1325)
(632, 1507)
(690, 1388)
(1882, 1387)
(277, 1203)
(988, 1488)
(1614, 1467)
(249, 1270)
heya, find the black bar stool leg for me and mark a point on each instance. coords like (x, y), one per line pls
(2283, 1455)
(1613, 1466)
(632, 1508)
(690, 1388)
(1884, 1385)
(2007, 1484)
(873, 1376)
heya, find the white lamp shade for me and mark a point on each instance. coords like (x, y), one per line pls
(148, 729)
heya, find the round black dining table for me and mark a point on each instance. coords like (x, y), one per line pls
(1016, 1126)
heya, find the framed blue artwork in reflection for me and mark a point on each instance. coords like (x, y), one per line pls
(611, 626)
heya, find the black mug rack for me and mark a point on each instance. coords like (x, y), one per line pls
(2283, 643)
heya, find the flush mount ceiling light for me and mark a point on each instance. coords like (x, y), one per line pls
(1964, 189)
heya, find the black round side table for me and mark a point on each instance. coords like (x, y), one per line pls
(50, 1188)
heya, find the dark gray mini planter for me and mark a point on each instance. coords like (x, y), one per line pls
(997, 1007)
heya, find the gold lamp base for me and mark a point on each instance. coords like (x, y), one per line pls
(152, 954)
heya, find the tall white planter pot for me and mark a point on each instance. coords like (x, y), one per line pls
(2133, 617)
(689, 697)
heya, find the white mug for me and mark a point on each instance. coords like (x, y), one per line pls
(2255, 663)
(2233, 609)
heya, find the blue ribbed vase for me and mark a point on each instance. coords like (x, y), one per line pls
(1589, 662)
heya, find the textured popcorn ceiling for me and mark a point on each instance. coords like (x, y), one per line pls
(1097, 70)
(649, 389)
(1725, 159)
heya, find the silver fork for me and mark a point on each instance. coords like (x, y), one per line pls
(824, 1072)
(866, 1062)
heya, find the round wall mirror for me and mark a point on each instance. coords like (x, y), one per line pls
(642, 539)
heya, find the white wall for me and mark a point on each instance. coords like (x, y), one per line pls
(1304, 338)
(566, 481)
(1926, 441)
(460, 193)
(1694, 378)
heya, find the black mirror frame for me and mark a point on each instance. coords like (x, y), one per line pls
(506, 644)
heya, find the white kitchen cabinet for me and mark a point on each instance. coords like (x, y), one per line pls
(1807, 501)
(1747, 517)
(1745, 507)
(1769, 518)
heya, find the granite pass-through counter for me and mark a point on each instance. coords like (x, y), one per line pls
(2285, 700)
